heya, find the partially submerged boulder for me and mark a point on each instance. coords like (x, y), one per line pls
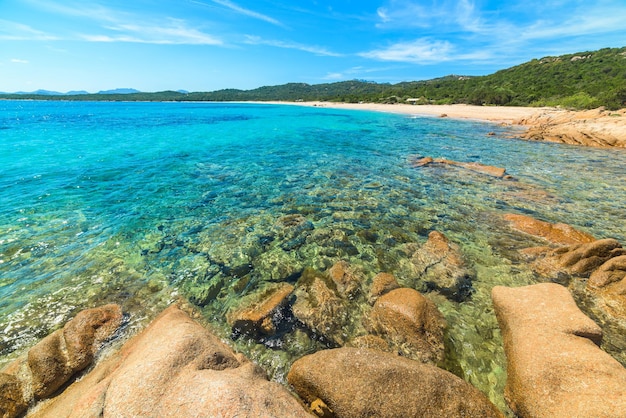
(476, 167)
(12, 402)
(609, 282)
(354, 383)
(381, 284)
(559, 233)
(410, 323)
(555, 367)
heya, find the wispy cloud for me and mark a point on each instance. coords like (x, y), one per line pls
(19, 61)
(313, 49)
(120, 26)
(243, 11)
(14, 31)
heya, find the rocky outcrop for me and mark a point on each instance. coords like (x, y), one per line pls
(53, 361)
(573, 260)
(555, 367)
(598, 127)
(259, 313)
(410, 323)
(174, 368)
(559, 233)
(439, 264)
(419, 161)
(351, 382)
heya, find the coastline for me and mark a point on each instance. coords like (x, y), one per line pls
(595, 128)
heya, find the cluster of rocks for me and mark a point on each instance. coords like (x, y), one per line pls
(597, 127)
(329, 306)
(575, 255)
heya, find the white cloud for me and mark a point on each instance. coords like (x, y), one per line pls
(19, 61)
(313, 49)
(333, 76)
(420, 51)
(241, 10)
(14, 31)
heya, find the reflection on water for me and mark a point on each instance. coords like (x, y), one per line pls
(140, 203)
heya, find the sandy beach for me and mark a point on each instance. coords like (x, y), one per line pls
(596, 127)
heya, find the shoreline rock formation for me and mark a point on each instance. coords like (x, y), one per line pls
(555, 367)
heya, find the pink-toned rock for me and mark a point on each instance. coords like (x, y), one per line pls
(574, 260)
(555, 367)
(175, 368)
(411, 323)
(489, 170)
(254, 317)
(558, 233)
(355, 383)
(381, 284)
(12, 402)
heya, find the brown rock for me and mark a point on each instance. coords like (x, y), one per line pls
(559, 233)
(12, 402)
(473, 166)
(370, 341)
(347, 282)
(358, 383)
(440, 265)
(256, 312)
(381, 284)
(85, 333)
(554, 365)
(55, 359)
(411, 323)
(175, 368)
(609, 282)
(320, 308)
(574, 260)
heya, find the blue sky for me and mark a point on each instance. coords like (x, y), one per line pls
(204, 45)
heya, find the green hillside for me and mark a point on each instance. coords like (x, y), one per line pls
(582, 80)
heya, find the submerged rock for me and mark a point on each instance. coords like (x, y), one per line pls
(348, 283)
(609, 282)
(356, 383)
(555, 367)
(558, 233)
(320, 308)
(174, 368)
(440, 265)
(256, 315)
(410, 323)
(473, 166)
(381, 284)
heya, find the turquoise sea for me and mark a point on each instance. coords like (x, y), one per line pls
(142, 203)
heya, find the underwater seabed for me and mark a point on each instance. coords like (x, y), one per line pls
(213, 224)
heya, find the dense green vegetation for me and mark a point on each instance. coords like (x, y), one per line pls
(581, 81)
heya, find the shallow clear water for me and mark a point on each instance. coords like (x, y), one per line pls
(138, 203)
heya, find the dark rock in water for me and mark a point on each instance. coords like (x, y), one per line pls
(440, 265)
(555, 367)
(202, 294)
(292, 230)
(12, 402)
(256, 314)
(319, 307)
(359, 383)
(410, 323)
(174, 368)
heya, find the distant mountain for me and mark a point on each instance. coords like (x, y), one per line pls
(76, 92)
(119, 91)
(49, 93)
